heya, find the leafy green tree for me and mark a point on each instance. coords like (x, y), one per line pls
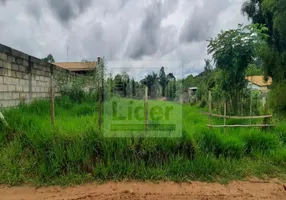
(151, 81)
(171, 77)
(133, 87)
(163, 80)
(171, 90)
(126, 81)
(253, 70)
(277, 98)
(233, 51)
(49, 58)
(272, 14)
(208, 66)
(118, 85)
(122, 85)
(205, 82)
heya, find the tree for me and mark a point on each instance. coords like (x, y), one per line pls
(253, 70)
(151, 81)
(171, 77)
(49, 58)
(133, 87)
(208, 66)
(171, 90)
(272, 14)
(122, 84)
(233, 51)
(125, 80)
(163, 81)
(118, 84)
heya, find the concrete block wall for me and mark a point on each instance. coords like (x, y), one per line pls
(24, 78)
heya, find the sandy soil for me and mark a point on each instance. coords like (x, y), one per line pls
(254, 189)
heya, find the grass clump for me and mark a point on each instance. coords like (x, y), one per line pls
(219, 144)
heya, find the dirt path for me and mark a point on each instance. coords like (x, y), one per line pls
(151, 191)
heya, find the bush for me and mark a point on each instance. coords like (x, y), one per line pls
(277, 98)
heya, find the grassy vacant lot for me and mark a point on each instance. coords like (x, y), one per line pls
(74, 151)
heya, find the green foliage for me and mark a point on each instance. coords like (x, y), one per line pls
(272, 14)
(277, 98)
(219, 145)
(49, 58)
(123, 86)
(253, 70)
(74, 152)
(163, 80)
(152, 82)
(263, 143)
(233, 51)
(171, 90)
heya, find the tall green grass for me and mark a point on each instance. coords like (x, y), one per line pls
(74, 151)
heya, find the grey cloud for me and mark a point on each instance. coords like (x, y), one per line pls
(146, 40)
(3, 2)
(34, 9)
(117, 29)
(202, 20)
(65, 10)
(123, 3)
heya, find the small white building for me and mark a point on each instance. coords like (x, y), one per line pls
(259, 83)
(192, 91)
(189, 95)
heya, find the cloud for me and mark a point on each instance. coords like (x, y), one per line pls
(201, 20)
(3, 2)
(130, 30)
(65, 10)
(147, 38)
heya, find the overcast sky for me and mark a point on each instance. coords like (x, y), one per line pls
(133, 30)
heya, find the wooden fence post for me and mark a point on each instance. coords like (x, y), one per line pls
(146, 107)
(52, 97)
(210, 108)
(265, 120)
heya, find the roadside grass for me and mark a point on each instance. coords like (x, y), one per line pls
(75, 151)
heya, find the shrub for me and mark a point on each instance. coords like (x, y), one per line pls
(277, 98)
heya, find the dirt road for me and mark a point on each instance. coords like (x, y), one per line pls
(151, 191)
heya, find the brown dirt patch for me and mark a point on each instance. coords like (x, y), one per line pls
(238, 190)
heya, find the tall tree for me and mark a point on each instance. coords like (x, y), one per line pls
(233, 51)
(208, 66)
(272, 13)
(163, 81)
(133, 87)
(171, 77)
(49, 58)
(118, 85)
(151, 81)
(126, 80)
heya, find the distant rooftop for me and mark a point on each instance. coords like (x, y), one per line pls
(259, 80)
(193, 88)
(77, 66)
